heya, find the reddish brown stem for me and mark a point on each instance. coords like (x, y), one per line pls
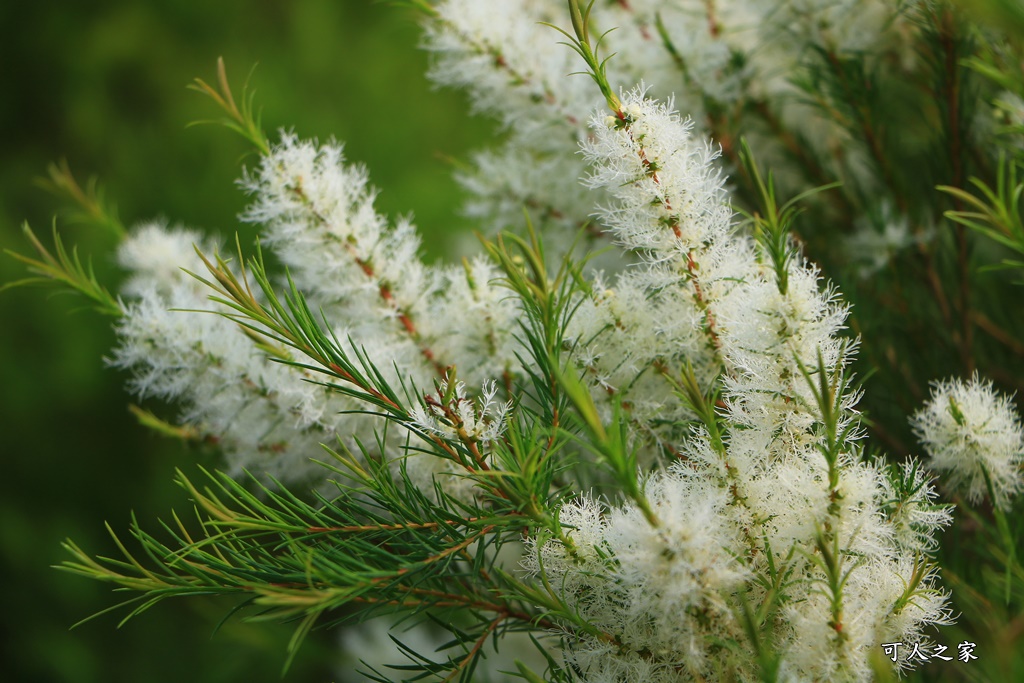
(358, 528)
(384, 289)
(951, 89)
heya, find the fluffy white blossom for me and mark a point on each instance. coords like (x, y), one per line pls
(515, 70)
(452, 415)
(910, 508)
(708, 55)
(482, 322)
(316, 213)
(461, 417)
(666, 202)
(774, 485)
(971, 432)
(733, 507)
(264, 415)
(761, 500)
(658, 590)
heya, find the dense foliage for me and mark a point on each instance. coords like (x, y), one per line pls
(626, 442)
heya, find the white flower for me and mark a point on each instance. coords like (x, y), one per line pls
(910, 508)
(461, 417)
(156, 256)
(971, 431)
(753, 491)
(264, 416)
(662, 590)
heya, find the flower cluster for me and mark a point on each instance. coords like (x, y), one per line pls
(262, 414)
(450, 416)
(974, 435)
(768, 503)
(318, 217)
(663, 474)
(776, 470)
(714, 57)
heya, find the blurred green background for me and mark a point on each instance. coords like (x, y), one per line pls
(101, 83)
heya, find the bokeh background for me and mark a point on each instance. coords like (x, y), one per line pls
(102, 84)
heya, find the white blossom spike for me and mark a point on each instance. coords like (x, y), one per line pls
(973, 435)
